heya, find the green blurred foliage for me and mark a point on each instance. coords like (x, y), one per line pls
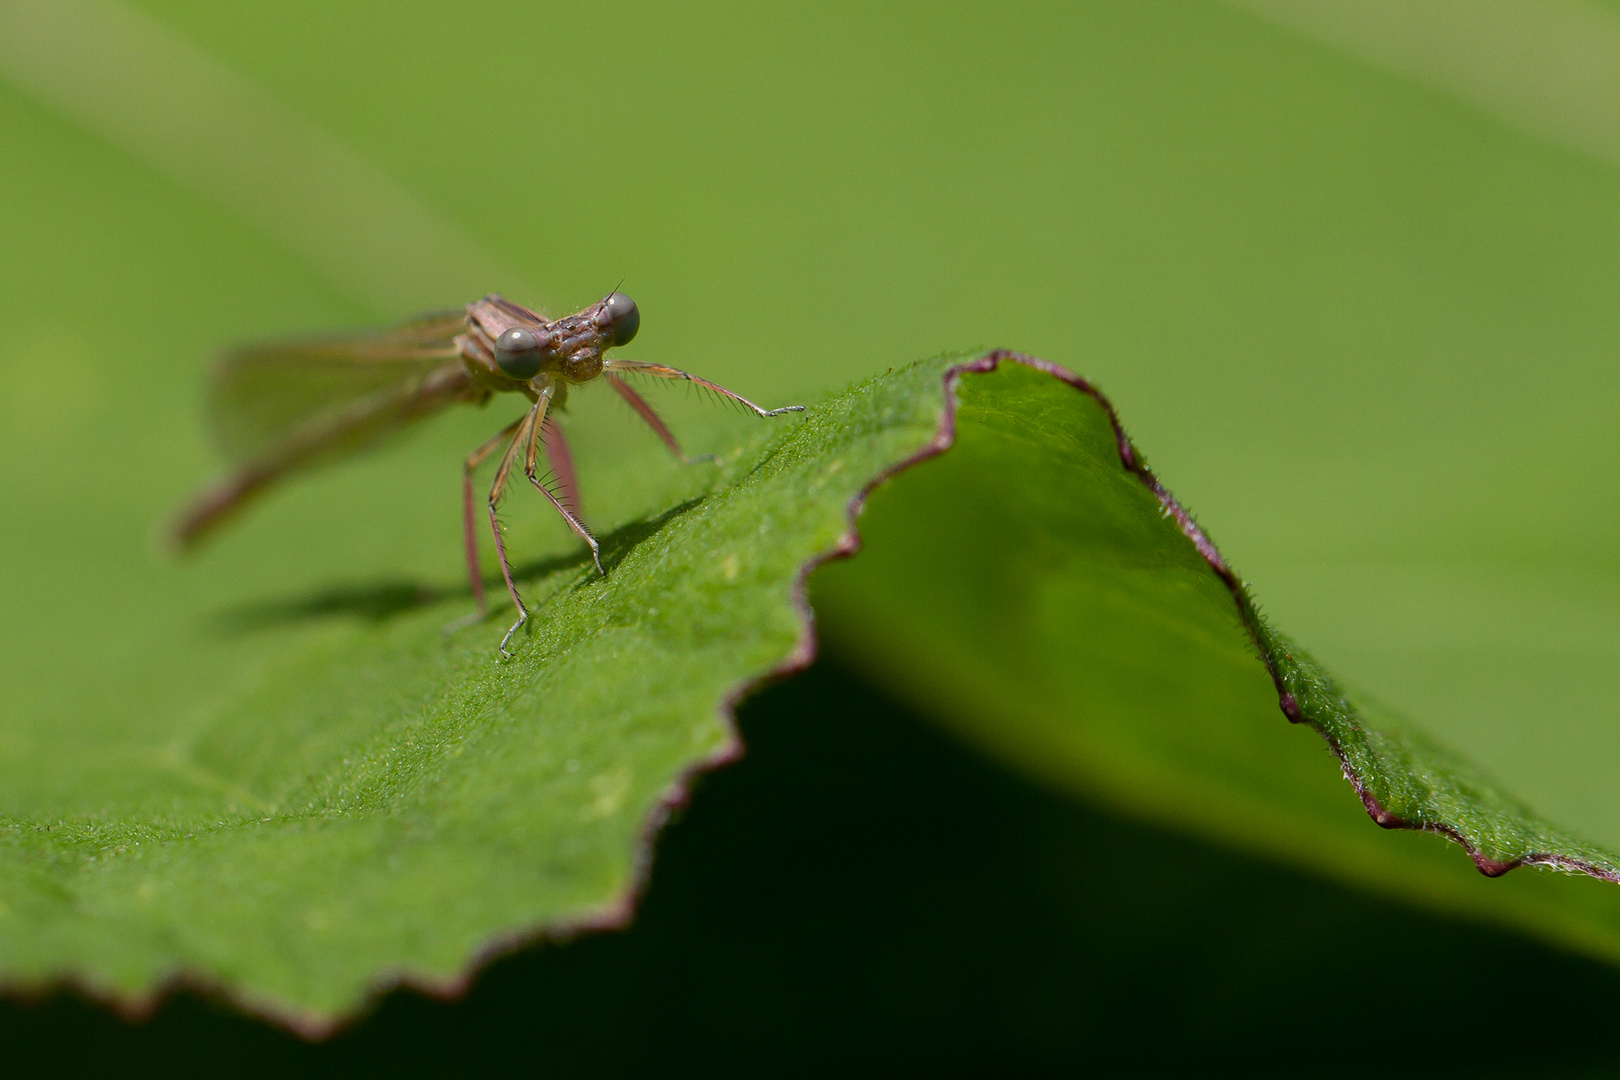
(1364, 330)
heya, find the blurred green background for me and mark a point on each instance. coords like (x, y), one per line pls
(1360, 313)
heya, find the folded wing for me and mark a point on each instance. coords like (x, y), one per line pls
(281, 408)
(264, 395)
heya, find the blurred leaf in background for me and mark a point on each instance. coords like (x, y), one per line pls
(1360, 311)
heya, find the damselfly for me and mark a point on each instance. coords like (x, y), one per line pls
(282, 408)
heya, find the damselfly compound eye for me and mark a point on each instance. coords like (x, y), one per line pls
(517, 353)
(618, 319)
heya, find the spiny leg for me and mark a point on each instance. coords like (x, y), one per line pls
(562, 464)
(661, 371)
(469, 521)
(530, 458)
(653, 420)
(496, 490)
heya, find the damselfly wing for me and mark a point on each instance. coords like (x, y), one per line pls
(263, 394)
(277, 409)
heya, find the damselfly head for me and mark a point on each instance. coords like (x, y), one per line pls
(570, 348)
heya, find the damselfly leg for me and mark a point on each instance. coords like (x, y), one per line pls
(654, 421)
(469, 525)
(530, 469)
(562, 465)
(662, 371)
(496, 490)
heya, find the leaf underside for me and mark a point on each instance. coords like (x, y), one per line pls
(351, 799)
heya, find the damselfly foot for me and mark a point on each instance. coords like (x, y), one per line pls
(523, 617)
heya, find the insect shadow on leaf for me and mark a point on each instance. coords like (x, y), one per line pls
(382, 601)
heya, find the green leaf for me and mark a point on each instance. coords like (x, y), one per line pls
(815, 895)
(1058, 608)
(298, 805)
(309, 798)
